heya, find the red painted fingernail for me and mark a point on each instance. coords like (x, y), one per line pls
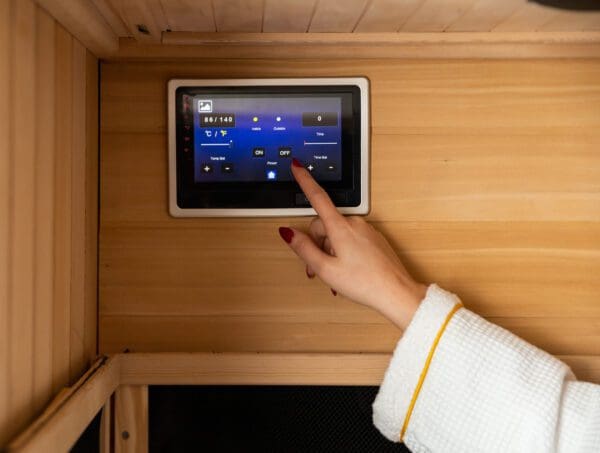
(334, 292)
(308, 274)
(286, 234)
(297, 163)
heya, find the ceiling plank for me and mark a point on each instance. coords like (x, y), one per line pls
(189, 15)
(238, 15)
(529, 17)
(290, 16)
(145, 19)
(112, 17)
(484, 15)
(573, 21)
(335, 16)
(386, 15)
(437, 15)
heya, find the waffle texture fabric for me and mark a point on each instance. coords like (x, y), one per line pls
(483, 390)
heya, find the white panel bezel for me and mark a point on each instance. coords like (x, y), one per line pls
(361, 82)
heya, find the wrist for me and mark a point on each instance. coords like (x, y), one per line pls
(401, 307)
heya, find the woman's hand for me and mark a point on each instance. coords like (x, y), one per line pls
(352, 257)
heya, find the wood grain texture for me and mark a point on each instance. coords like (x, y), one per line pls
(436, 15)
(5, 217)
(333, 16)
(68, 415)
(238, 15)
(386, 15)
(22, 213)
(43, 83)
(131, 419)
(44, 214)
(288, 16)
(330, 16)
(90, 328)
(484, 178)
(85, 22)
(280, 369)
(189, 15)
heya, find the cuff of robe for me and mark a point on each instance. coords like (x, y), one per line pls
(409, 361)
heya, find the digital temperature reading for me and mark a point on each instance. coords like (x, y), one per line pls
(218, 120)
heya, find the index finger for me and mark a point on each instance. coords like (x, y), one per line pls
(317, 196)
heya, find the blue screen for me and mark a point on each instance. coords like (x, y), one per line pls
(247, 138)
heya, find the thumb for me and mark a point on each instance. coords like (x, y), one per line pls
(306, 249)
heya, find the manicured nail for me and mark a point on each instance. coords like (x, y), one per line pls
(334, 292)
(308, 274)
(286, 234)
(296, 163)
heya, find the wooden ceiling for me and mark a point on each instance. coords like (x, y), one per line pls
(145, 20)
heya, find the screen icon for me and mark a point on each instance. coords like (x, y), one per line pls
(310, 167)
(205, 106)
(226, 167)
(271, 175)
(208, 133)
(258, 152)
(206, 168)
(330, 167)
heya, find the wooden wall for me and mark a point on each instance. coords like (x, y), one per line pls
(48, 211)
(485, 177)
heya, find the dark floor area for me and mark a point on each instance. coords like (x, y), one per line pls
(264, 419)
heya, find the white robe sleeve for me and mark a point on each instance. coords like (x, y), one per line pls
(457, 383)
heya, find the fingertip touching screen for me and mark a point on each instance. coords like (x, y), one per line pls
(231, 144)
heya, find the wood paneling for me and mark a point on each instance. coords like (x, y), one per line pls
(45, 148)
(316, 16)
(131, 419)
(484, 177)
(288, 16)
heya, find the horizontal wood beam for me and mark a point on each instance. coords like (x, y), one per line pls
(63, 421)
(280, 368)
(176, 45)
(61, 424)
(83, 20)
(253, 369)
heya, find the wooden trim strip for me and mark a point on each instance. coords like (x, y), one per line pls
(60, 425)
(252, 369)
(182, 45)
(392, 39)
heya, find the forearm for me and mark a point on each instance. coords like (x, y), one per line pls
(458, 383)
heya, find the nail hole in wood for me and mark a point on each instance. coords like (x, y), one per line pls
(143, 29)
(125, 435)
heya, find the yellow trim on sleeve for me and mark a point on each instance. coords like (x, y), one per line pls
(426, 368)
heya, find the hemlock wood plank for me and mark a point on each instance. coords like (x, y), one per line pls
(77, 202)
(6, 192)
(44, 215)
(436, 15)
(85, 22)
(238, 15)
(484, 15)
(280, 368)
(62, 209)
(386, 15)
(23, 207)
(334, 16)
(131, 419)
(288, 16)
(90, 327)
(189, 15)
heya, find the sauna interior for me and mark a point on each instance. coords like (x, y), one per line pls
(485, 177)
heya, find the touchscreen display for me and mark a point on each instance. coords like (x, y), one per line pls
(253, 138)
